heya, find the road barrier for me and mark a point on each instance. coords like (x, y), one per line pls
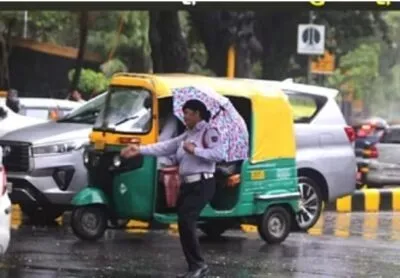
(368, 200)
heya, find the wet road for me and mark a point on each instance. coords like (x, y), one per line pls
(341, 245)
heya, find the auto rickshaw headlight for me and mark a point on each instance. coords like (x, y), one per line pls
(117, 161)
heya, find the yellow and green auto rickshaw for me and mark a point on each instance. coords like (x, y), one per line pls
(261, 190)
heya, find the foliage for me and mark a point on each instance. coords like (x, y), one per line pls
(90, 82)
(131, 41)
(358, 70)
(113, 66)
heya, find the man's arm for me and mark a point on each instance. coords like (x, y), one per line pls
(214, 150)
(164, 148)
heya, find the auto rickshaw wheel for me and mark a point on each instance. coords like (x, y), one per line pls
(274, 225)
(213, 229)
(89, 222)
(118, 223)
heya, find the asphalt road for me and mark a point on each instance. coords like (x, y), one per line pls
(341, 245)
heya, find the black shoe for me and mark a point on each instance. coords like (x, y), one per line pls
(198, 273)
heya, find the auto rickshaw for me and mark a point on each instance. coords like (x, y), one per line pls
(262, 190)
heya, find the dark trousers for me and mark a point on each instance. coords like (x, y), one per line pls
(193, 197)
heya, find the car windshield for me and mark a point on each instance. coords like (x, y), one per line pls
(87, 113)
(391, 136)
(127, 110)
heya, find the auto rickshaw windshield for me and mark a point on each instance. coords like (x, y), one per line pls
(126, 110)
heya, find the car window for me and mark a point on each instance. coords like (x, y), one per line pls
(391, 136)
(304, 107)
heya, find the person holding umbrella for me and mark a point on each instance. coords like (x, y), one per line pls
(196, 168)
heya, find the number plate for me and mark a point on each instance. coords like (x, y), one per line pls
(257, 175)
(99, 145)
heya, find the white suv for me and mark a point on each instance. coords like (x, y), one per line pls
(5, 208)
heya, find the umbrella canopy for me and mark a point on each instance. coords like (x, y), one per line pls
(224, 117)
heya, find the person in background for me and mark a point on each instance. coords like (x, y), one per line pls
(12, 100)
(197, 161)
(76, 96)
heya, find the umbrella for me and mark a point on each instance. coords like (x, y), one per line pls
(224, 117)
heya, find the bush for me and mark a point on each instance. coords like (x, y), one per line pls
(90, 82)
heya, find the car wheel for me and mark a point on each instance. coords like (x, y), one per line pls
(89, 222)
(310, 204)
(41, 215)
(274, 225)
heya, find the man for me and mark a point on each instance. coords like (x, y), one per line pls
(12, 100)
(197, 161)
(76, 96)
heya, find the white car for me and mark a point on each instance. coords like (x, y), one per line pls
(33, 111)
(5, 208)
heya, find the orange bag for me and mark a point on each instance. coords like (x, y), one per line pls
(172, 182)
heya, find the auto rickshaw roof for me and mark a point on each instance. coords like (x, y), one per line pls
(272, 134)
(224, 86)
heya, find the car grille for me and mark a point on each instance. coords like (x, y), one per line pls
(16, 156)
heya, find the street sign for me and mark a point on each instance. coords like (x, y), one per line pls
(311, 39)
(324, 64)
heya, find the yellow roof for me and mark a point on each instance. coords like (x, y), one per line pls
(229, 87)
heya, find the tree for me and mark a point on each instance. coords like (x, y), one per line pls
(83, 33)
(169, 50)
(220, 30)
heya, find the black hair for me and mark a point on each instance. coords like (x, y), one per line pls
(197, 105)
(12, 100)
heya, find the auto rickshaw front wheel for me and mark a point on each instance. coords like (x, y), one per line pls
(89, 222)
(274, 225)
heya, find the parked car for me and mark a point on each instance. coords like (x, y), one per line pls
(325, 148)
(9, 120)
(384, 169)
(46, 108)
(45, 163)
(5, 208)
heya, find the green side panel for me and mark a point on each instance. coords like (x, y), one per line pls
(280, 176)
(90, 195)
(135, 191)
(170, 218)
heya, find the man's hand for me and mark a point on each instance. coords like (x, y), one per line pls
(130, 151)
(189, 147)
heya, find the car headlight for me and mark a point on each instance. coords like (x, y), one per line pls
(57, 148)
(86, 158)
(117, 161)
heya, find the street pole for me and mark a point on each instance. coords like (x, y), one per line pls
(25, 34)
(309, 73)
(230, 71)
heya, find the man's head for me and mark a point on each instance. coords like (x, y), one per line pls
(194, 111)
(76, 95)
(12, 100)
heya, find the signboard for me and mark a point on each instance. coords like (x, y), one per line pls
(324, 64)
(311, 39)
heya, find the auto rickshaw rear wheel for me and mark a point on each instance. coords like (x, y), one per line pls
(89, 222)
(274, 225)
(118, 223)
(213, 229)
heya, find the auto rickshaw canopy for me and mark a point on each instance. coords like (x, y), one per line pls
(272, 134)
